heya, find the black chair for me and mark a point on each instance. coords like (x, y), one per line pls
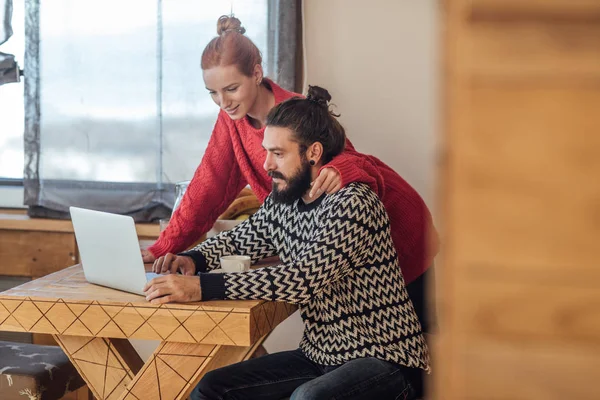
(35, 372)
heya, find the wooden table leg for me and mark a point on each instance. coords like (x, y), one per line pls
(113, 370)
(106, 365)
(175, 369)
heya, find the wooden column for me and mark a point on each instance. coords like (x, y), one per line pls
(519, 302)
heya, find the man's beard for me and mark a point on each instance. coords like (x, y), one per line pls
(297, 185)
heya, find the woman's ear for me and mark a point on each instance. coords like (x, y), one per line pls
(258, 74)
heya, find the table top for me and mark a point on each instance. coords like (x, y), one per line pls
(71, 286)
(65, 303)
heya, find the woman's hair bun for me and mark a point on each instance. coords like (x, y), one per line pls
(319, 95)
(227, 23)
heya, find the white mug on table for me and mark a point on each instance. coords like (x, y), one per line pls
(235, 263)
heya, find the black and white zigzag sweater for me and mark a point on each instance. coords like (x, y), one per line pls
(338, 264)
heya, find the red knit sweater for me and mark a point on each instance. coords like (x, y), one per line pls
(235, 157)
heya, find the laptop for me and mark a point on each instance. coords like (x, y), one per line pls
(109, 250)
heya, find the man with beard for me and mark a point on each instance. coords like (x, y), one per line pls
(362, 338)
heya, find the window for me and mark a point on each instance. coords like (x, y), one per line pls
(115, 105)
(122, 95)
(121, 92)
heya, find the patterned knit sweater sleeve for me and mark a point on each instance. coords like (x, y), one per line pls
(250, 238)
(216, 182)
(341, 241)
(355, 167)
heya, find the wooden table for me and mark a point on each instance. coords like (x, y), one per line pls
(92, 324)
(35, 247)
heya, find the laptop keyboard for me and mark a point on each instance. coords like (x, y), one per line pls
(151, 275)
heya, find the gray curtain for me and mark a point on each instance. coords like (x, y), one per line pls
(5, 17)
(163, 141)
(9, 69)
(285, 35)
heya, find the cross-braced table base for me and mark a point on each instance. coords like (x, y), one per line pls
(170, 373)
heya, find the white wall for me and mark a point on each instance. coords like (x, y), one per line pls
(379, 61)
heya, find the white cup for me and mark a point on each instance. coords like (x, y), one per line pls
(235, 263)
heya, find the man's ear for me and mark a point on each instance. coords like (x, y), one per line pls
(315, 152)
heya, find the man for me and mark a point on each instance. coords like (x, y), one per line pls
(362, 338)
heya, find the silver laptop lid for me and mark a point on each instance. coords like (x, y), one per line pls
(109, 249)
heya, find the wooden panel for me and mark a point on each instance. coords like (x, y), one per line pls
(44, 339)
(521, 196)
(525, 192)
(113, 370)
(536, 51)
(495, 371)
(571, 10)
(174, 369)
(521, 313)
(19, 222)
(35, 254)
(266, 317)
(533, 41)
(7, 282)
(17, 211)
(171, 372)
(106, 368)
(70, 285)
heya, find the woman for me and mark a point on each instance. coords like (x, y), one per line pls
(233, 75)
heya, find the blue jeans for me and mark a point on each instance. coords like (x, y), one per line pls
(290, 373)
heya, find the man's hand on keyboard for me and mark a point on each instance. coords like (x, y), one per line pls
(171, 264)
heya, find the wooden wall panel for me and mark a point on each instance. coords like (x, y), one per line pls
(519, 299)
(35, 254)
(538, 9)
(523, 182)
(512, 311)
(496, 371)
(536, 50)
